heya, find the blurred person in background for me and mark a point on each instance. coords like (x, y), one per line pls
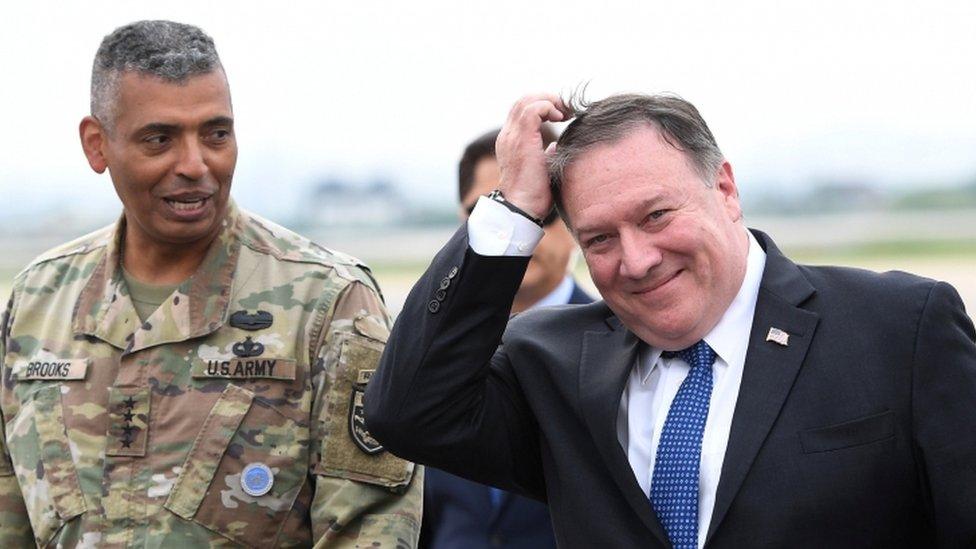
(459, 513)
(720, 395)
(547, 280)
(192, 375)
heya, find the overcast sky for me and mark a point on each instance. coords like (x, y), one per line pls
(794, 91)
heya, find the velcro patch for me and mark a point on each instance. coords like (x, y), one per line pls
(56, 369)
(350, 451)
(246, 368)
(357, 417)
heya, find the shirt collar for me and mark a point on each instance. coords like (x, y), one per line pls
(730, 337)
(559, 296)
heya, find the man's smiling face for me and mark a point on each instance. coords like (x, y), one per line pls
(171, 153)
(666, 250)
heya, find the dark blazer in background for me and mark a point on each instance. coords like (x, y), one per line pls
(860, 432)
(459, 513)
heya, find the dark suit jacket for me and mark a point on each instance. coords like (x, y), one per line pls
(459, 513)
(861, 432)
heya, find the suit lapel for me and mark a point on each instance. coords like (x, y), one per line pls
(607, 358)
(769, 372)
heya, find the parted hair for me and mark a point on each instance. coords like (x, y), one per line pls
(484, 147)
(165, 49)
(609, 120)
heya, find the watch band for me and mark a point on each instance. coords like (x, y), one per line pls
(497, 196)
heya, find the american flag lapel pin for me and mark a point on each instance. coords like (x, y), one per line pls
(778, 336)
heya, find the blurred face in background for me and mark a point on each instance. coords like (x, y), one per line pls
(549, 262)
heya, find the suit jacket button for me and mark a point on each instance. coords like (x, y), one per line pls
(434, 306)
(439, 295)
(496, 540)
(453, 273)
(445, 283)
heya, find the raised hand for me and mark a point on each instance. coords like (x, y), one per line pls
(521, 156)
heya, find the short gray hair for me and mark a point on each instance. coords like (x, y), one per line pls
(168, 50)
(611, 119)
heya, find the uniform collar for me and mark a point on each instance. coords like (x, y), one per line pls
(197, 307)
(730, 337)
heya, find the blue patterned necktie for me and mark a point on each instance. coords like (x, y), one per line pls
(674, 482)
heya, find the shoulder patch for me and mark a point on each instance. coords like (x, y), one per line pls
(357, 417)
(349, 450)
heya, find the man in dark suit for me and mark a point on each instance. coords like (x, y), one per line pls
(720, 395)
(459, 513)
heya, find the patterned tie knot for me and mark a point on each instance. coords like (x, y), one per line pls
(698, 355)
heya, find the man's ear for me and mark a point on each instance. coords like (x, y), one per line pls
(725, 184)
(93, 141)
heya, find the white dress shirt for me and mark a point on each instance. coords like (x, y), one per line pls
(654, 382)
(495, 230)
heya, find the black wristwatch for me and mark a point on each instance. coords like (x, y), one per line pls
(497, 196)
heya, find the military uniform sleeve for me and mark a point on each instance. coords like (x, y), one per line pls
(364, 495)
(15, 529)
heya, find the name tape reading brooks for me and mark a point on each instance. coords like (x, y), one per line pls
(74, 368)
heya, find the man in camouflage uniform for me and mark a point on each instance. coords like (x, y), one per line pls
(192, 375)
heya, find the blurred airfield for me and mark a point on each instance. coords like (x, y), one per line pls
(936, 244)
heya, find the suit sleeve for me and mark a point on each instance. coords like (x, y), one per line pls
(15, 528)
(944, 410)
(446, 394)
(364, 496)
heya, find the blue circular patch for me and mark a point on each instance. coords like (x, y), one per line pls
(257, 479)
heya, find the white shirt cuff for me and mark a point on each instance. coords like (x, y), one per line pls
(495, 230)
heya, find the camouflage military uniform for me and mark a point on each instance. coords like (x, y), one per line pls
(119, 432)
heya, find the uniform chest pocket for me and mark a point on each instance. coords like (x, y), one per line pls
(244, 471)
(42, 461)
